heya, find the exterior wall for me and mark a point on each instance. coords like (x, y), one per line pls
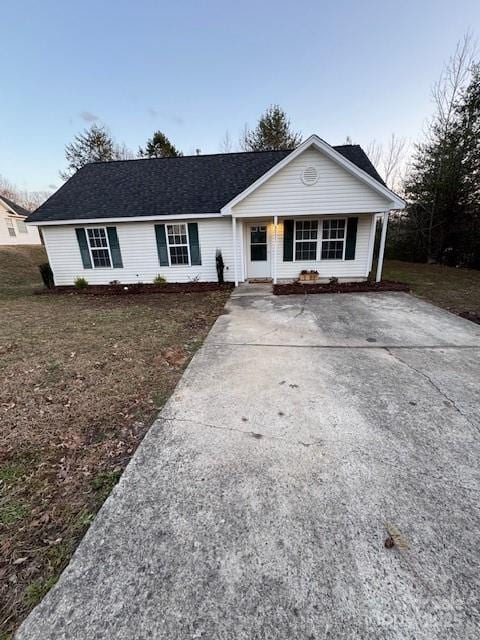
(30, 237)
(358, 268)
(139, 253)
(335, 191)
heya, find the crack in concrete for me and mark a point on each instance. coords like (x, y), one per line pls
(380, 346)
(297, 315)
(434, 385)
(253, 434)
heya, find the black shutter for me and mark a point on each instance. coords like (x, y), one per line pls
(161, 245)
(83, 245)
(195, 256)
(114, 247)
(288, 240)
(351, 241)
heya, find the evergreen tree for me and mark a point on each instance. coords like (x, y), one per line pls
(441, 222)
(159, 146)
(93, 145)
(273, 132)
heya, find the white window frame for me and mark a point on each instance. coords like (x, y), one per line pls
(23, 228)
(182, 224)
(319, 229)
(107, 247)
(11, 227)
(344, 240)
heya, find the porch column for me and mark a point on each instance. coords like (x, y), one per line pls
(382, 246)
(274, 257)
(234, 240)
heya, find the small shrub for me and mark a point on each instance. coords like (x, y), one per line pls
(81, 283)
(159, 280)
(333, 281)
(114, 282)
(194, 279)
(47, 275)
(220, 266)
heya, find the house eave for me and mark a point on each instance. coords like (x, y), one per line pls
(104, 221)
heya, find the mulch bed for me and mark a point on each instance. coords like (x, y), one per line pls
(339, 287)
(470, 315)
(128, 289)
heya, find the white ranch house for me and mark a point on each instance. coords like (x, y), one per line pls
(272, 214)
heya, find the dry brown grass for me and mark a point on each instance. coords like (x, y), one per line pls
(457, 290)
(82, 379)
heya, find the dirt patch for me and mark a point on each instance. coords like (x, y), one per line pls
(82, 379)
(339, 287)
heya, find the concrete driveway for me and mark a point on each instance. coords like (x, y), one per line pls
(257, 506)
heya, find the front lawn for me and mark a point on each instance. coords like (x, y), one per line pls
(457, 290)
(83, 377)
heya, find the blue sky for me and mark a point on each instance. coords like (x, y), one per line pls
(195, 69)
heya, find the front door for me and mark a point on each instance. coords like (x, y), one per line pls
(258, 250)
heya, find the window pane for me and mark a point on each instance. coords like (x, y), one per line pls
(179, 254)
(11, 228)
(101, 258)
(332, 250)
(21, 226)
(258, 252)
(305, 251)
(333, 229)
(306, 230)
(258, 235)
(177, 233)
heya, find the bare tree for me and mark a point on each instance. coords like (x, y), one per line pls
(226, 144)
(29, 200)
(122, 152)
(453, 79)
(390, 160)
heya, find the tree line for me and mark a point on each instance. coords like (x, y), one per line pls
(442, 187)
(96, 144)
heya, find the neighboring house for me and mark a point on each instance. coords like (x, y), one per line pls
(271, 213)
(13, 229)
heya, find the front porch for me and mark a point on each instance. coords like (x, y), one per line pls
(274, 249)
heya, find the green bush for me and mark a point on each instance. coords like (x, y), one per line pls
(159, 280)
(47, 275)
(81, 283)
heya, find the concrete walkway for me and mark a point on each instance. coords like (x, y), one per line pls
(258, 504)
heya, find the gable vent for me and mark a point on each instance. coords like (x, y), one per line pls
(309, 176)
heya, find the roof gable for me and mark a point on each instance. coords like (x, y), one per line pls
(363, 173)
(311, 184)
(13, 207)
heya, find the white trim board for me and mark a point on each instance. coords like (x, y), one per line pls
(314, 141)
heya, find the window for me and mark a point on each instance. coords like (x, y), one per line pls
(177, 239)
(258, 243)
(333, 239)
(21, 226)
(11, 228)
(99, 248)
(306, 234)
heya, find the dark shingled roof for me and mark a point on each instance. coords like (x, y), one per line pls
(166, 186)
(16, 208)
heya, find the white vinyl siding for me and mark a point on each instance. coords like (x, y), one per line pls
(139, 254)
(335, 191)
(22, 234)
